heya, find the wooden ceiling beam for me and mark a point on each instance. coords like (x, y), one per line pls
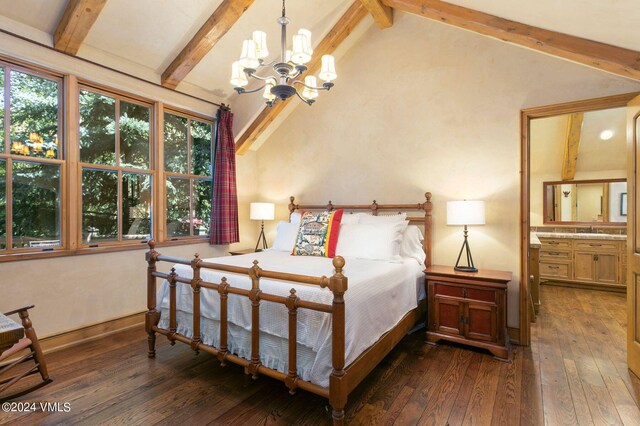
(605, 57)
(328, 45)
(205, 39)
(78, 18)
(572, 145)
(383, 15)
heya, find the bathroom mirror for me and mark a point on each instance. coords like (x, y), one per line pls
(588, 202)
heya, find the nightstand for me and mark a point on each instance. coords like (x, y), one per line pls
(468, 308)
(242, 251)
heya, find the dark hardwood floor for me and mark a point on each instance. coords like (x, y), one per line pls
(573, 373)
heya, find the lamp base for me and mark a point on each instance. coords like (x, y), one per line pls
(465, 248)
(465, 268)
(261, 239)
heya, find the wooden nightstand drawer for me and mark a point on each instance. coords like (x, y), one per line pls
(442, 289)
(464, 292)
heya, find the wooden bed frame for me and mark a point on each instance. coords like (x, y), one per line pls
(343, 379)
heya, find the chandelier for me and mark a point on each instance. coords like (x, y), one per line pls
(287, 68)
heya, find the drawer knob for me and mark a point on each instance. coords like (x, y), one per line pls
(464, 293)
(554, 267)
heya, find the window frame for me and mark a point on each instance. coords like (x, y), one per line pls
(10, 158)
(190, 116)
(120, 170)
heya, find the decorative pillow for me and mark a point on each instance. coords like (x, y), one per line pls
(412, 244)
(318, 234)
(285, 236)
(367, 241)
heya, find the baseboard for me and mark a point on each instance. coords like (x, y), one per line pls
(514, 335)
(90, 332)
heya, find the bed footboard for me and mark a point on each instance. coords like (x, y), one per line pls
(337, 283)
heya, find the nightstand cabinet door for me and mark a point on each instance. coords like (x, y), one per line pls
(448, 315)
(482, 323)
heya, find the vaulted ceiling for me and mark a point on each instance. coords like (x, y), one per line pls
(190, 44)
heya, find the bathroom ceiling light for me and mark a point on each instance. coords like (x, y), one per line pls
(605, 135)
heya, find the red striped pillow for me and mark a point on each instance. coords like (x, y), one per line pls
(318, 234)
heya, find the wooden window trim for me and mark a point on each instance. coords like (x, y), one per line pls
(10, 158)
(189, 176)
(151, 171)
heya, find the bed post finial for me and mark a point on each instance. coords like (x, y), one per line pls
(292, 206)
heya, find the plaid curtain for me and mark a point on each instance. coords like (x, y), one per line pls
(224, 205)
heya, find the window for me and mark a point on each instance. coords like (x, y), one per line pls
(187, 163)
(31, 164)
(115, 160)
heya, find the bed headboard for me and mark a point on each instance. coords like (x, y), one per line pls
(374, 208)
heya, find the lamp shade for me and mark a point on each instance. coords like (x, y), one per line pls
(262, 211)
(466, 212)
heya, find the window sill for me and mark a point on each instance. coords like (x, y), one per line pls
(14, 257)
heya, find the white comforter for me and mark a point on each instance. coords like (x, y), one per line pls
(379, 295)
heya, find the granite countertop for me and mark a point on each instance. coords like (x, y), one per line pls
(534, 242)
(581, 236)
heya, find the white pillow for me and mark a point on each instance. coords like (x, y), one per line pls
(286, 233)
(295, 217)
(412, 244)
(367, 241)
(385, 218)
(350, 219)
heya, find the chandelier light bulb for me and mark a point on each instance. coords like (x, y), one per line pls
(260, 39)
(307, 36)
(238, 77)
(328, 69)
(267, 93)
(310, 92)
(300, 50)
(248, 59)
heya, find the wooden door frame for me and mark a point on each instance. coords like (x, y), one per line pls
(526, 115)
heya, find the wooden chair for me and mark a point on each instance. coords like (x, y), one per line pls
(16, 338)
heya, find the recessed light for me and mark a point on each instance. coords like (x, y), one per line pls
(605, 135)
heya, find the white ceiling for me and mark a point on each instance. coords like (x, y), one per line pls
(141, 37)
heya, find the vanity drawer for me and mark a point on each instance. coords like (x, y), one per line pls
(555, 254)
(548, 243)
(555, 270)
(598, 245)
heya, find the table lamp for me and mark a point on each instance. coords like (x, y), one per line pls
(262, 212)
(466, 212)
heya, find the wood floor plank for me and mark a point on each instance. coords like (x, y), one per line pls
(580, 404)
(625, 404)
(483, 395)
(506, 410)
(459, 409)
(437, 409)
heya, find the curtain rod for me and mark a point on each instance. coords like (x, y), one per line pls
(106, 67)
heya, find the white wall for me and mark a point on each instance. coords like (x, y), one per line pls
(424, 107)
